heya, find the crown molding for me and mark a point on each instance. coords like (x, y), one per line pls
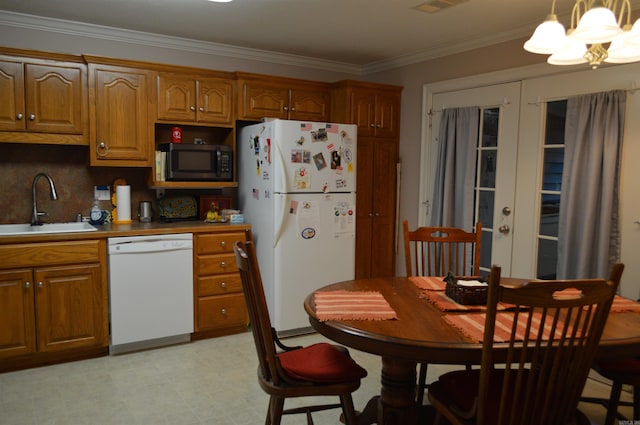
(80, 29)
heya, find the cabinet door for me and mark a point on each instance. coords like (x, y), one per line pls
(385, 159)
(176, 97)
(363, 105)
(215, 101)
(309, 105)
(387, 119)
(122, 133)
(17, 327)
(260, 101)
(12, 95)
(364, 208)
(54, 98)
(375, 208)
(71, 307)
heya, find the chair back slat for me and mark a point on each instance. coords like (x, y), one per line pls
(436, 251)
(554, 331)
(263, 333)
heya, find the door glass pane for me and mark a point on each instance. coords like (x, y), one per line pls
(485, 208)
(549, 214)
(488, 160)
(553, 164)
(547, 258)
(490, 118)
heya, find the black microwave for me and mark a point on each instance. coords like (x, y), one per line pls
(198, 162)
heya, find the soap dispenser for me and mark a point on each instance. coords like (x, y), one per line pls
(96, 213)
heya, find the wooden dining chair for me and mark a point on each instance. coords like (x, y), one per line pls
(625, 371)
(320, 369)
(437, 251)
(541, 375)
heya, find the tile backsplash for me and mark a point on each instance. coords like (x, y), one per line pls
(73, 178)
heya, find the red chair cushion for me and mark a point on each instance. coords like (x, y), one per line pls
(627, 366)
(321, 363)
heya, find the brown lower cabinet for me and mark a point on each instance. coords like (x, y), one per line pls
(219, 301)
(53, 300)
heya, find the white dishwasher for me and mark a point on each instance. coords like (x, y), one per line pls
(150, 291)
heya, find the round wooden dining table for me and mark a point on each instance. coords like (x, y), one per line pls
(419, 334)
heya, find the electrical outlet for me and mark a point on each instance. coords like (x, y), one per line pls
(102, 193)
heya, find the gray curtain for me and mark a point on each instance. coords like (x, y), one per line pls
(456, 168)
(588, 233)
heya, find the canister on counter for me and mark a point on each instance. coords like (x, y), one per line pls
(176, 135)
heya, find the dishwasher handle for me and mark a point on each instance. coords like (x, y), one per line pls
(141, 247)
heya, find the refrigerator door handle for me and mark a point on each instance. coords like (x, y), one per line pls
(283, 171)
(283, 209)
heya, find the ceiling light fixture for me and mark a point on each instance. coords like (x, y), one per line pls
(599, 22)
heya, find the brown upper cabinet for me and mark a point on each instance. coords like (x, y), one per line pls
(263, 96)
(374, 108)
(121, 126)
(43, 101)
(195, 99)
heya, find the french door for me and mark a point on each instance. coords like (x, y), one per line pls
(495, 182)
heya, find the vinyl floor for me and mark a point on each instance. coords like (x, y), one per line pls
(210, 381)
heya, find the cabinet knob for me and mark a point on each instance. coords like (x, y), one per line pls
(223, 285)
(40, 284)
(377, 214)
(293, 109)
(193, 108)
(379, 125)
(370, 214)
(19, 117)
(32, 117)
(286, 108)
(27, 285)
(372, 125)
(223, 264)
(201, 109)
(102, 150)
(223, 244)
(223, 311)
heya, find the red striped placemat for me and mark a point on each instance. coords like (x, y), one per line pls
(620, 304)
(352, 305)
(472, 325)
(431, 283)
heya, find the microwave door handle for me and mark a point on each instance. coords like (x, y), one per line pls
(218, 162)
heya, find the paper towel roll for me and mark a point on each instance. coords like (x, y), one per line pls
(123, 200)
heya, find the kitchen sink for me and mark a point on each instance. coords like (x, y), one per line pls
(28, 229)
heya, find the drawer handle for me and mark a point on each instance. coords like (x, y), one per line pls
(223, 285)
(223, 244)
(223, 311)
(223, 264)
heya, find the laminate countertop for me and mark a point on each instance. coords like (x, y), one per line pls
(133, 229)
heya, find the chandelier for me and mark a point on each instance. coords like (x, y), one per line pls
(603, 34)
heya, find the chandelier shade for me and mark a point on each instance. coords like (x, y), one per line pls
(600, 31)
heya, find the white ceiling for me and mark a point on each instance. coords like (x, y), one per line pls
(355, 32)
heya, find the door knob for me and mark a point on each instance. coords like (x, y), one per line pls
(506, 211)
(504, 229)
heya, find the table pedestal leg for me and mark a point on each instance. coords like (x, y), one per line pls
(396, 404)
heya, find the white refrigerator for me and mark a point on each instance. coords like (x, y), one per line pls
(297, 182)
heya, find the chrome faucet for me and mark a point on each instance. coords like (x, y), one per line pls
(35, 218)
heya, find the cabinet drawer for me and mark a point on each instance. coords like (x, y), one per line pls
(217, 242)
(222, 311)
(219, 284)
(214, 264)
(50, 254)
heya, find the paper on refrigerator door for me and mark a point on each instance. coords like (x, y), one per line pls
(308, 219)
(344, 222)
